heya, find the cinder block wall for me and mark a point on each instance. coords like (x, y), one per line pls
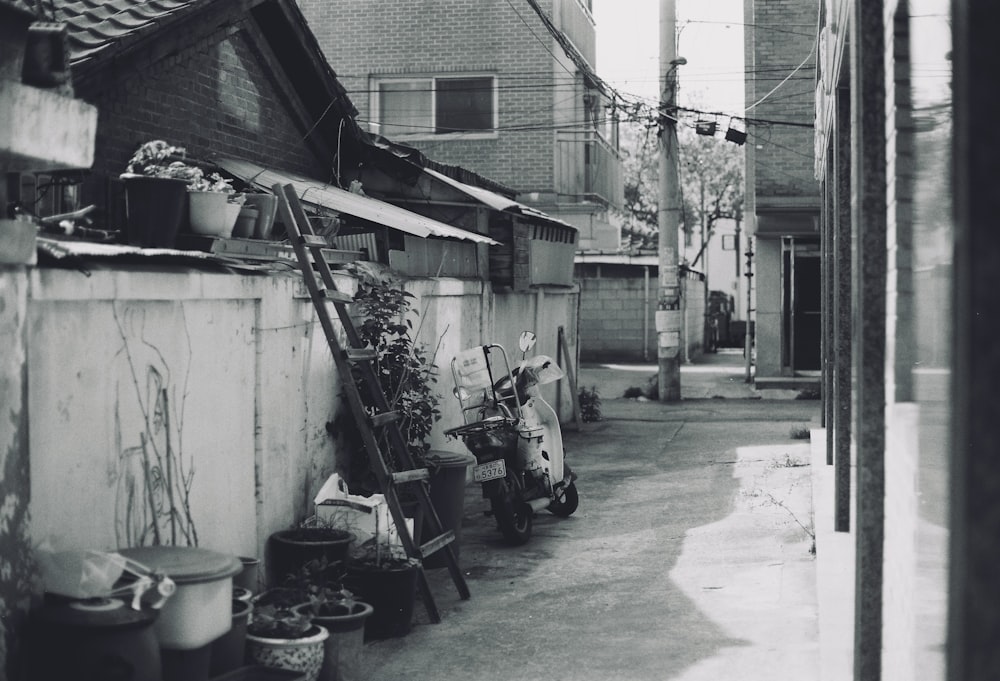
(365, 38)
(612, 314)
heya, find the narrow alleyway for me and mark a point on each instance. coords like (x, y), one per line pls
(690, 557)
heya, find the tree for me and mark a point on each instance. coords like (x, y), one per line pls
(640, 157)
(711, 175)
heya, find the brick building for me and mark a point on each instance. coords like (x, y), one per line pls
(782, 197)
(504, 90)
(909, 250)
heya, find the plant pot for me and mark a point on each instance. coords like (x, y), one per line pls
(247, 578)
(201, 609)
(154, 209)
(258, 672)
(212, 213)
(342, 659)
(289, 550)
(391, 591)
(94, 639)
(303, 654)
(229, 650)
(188, 664)
(245, 222)
(241, 594)
(267, 208)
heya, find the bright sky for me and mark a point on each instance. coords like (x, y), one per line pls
(710, 38)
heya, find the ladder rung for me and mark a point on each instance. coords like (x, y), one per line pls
(360, 354)
(336, 296)
(437, 543)
(313, 240)
(412, 475)
(379, 420)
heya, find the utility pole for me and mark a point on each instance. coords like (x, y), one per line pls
(747, 340)
(668, 312)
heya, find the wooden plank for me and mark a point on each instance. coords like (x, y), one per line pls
(567, 364)
(436, 544)
(403, 477)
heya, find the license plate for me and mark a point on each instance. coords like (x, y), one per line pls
(489, 471)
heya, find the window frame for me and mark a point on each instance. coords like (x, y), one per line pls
(376, 126)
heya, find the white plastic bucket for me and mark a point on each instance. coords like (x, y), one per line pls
(201, 609)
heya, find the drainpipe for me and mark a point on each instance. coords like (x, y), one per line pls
(645, 314)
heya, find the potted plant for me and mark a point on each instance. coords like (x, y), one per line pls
(333, 607)
(406, 373)
(382, 575)
(156, 180)
(215, 205)
(278, 636)
(292, 548)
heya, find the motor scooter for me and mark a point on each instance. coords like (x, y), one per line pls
(514, 435)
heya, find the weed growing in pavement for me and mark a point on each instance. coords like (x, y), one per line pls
(590, 404)
(799, 433)
(761, 495)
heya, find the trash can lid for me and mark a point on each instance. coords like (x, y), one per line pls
(444, 459)
(185, 564)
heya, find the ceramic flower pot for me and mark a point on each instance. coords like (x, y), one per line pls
(391, 590)
(346, 624)
(213, 214)
(289, 550)
(304, 655)
(229, 650)
(267, 208)
(245, 222)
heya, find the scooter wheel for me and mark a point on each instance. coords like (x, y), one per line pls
(513, 518)
(565, 505)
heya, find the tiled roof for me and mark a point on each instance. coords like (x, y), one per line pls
(97, 25)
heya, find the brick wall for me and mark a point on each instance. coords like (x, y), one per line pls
(785, 33)
(212, 98)
(361, 38)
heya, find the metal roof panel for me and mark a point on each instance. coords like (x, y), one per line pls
(336, 199)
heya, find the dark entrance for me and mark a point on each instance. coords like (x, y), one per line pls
(807, 319)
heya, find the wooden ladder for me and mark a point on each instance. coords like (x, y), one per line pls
(383, 426)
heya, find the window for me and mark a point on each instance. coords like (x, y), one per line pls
(436, 106)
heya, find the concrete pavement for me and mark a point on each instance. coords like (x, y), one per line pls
(690, 557)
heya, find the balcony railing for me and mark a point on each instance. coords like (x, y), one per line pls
(588, 168)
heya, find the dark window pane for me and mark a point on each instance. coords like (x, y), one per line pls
(464, 104)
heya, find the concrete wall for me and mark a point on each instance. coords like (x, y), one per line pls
(767, 283)
(250, 385)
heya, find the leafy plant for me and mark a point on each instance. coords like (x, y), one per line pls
(405, 371)
(273, 621)
(211, 183)
(157, 158)
(319, 583)
(590, 404)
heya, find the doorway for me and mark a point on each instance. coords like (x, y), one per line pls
(801, 304)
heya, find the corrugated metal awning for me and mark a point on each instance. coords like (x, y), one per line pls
(321, 194)
(498, 202)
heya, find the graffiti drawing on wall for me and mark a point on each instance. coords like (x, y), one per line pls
(152, 478)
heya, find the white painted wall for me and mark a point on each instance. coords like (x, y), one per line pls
(250, 384)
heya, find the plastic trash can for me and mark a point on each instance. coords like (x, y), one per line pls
(447, 491)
